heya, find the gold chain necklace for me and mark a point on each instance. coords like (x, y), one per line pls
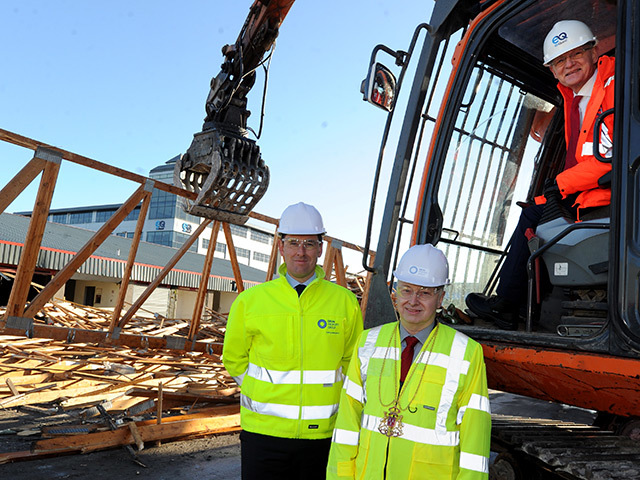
(391, 424)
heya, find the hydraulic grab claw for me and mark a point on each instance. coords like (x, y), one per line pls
(226, 171)
(222, 165)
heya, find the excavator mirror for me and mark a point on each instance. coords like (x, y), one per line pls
(379, 88)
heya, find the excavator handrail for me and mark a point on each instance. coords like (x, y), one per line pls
(402, 60)
(596, 134)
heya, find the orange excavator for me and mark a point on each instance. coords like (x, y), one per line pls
(464, 159)
(466, 156)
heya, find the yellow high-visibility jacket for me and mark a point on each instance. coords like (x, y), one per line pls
(289, 355)
(446, 418)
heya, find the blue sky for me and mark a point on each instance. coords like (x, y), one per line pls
(125, 83)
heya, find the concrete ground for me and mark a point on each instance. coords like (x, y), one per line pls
(219, 457)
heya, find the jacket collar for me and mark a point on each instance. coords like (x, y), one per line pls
(282, 271)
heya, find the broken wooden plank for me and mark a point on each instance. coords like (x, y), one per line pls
(184, 397)
(12, 387)
(148, 433)
(135, 433)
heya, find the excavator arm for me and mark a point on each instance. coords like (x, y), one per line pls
(223, 166)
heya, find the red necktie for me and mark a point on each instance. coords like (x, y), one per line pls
(407, 357)
(574, 124)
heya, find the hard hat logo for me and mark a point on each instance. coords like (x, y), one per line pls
(559, 38)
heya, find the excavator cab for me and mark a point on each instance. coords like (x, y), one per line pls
(471, 152)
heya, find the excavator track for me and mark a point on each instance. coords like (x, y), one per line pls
(542, 449)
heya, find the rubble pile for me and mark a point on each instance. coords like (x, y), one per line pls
(62, 397)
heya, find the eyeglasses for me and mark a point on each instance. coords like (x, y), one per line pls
(422, 294)
(307, 244)
(577, 55)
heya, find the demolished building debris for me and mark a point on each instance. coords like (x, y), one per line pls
(150, 395)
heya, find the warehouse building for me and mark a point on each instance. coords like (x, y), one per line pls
(97, 282)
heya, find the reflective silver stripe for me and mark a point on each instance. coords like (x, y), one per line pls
(442, 360)
(274, 409)
(354, 390)
(277, 377)
(477, 463)
(391, 353)
(346, 437)
(240, 378)
(322, 377)
(451, 381)
(366, 352)
(429, 436)
(426, 436)
(292, 377)
(321, 412)
(609, 80)
(476, 402)
(587, 148)
(370, 422)
(604, 147)
(291, 412)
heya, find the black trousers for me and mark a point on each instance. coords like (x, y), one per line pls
(513, 275)
(265, 457)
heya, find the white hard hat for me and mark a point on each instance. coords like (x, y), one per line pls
(423, 265)
(565, 36)
(301, 219)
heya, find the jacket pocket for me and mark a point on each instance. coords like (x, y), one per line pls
(274, 338)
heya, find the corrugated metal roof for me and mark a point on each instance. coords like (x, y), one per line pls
(61, 242)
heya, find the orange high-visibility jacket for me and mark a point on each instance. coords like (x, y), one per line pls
(583, 177)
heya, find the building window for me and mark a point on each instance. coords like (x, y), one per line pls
(161, 238)
(121, 234)
(58, 217)
(261, 237)
(170, 239)
(133, 214)
(182, 214)
(222, 248)
(104, 215)
(167, 205)
(205, 243)
(243, 252)
(261, 257)
(238, 230)
(163, 205)
(80, 217)
(180, 239)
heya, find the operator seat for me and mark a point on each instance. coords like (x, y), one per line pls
(581, 258)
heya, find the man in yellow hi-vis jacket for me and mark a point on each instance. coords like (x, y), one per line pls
(288, 344)
(422, 414)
